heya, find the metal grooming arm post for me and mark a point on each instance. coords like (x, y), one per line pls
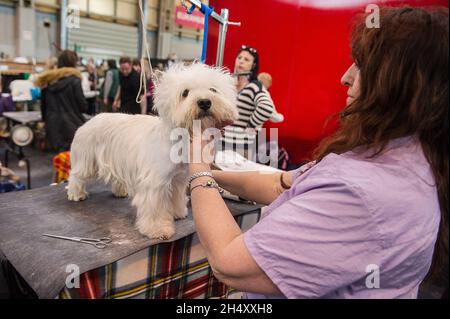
(223, 20)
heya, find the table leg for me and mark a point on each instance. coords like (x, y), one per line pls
(27, 163)
(28, 173)
(6, 157)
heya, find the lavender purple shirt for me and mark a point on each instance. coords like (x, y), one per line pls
(318, 239)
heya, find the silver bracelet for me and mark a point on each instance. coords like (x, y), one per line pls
(209, 184)
(197, 175)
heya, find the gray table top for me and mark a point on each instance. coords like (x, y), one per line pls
(25, 216)
(28, 117)
(23, 117)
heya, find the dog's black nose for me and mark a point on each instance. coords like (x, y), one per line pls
(204, 104)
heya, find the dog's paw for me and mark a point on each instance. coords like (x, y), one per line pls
(77, 197)
(119, 191)
(162, 231)
(120, 194)
(164, 236)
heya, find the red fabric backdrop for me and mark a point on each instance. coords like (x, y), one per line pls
(304, 45)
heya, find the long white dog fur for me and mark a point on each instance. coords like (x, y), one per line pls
(132, 152)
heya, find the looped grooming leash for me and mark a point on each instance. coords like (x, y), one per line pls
(143, 82)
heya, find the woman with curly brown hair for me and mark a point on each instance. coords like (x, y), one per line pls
(369, 217)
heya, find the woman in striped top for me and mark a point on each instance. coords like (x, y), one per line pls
(254, 104)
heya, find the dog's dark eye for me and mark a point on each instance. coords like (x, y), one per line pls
(185, 93)
(213, 90)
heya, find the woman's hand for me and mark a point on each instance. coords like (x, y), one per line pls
(202, 146)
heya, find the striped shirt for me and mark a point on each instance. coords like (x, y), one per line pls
(255, 107)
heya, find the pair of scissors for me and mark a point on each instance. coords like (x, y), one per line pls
(99, 243)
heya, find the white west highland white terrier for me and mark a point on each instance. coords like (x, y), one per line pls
(132, 152)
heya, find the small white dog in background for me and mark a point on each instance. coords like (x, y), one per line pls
(132, 152)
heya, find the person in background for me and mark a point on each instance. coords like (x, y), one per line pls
(92, 78)
(62, 101)
(254, 104)
(150, 88)
(266, 81)
(111, 85)
(102, 67)
(146, 69)
(91, 61)
(129, 88)
(172, 59)
(159, 67)
(137, 65)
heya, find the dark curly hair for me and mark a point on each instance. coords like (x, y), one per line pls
(404, 91)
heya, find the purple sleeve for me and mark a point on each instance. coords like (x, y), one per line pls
(320, 240)
(302, 169)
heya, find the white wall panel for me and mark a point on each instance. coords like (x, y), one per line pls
(186, 48)
(100, 40)
(43, 48)
(7, 38)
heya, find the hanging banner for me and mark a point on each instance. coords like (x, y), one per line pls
(194, 20)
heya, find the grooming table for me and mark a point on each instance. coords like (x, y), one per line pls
(23, 118)
(132, 266)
